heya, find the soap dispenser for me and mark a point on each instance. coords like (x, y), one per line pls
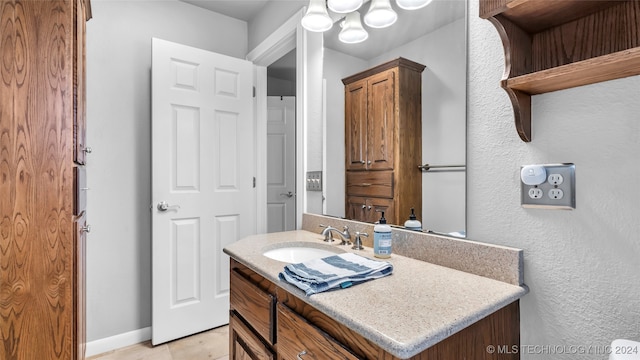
(382, 239)
(413, 223)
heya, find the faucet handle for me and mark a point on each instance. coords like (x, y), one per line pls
(358, 244)
(328, 237)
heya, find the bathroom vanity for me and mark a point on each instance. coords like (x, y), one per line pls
(422, 311)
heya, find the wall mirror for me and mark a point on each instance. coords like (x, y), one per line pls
(434, 36)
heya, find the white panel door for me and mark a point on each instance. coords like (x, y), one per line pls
(202, 184)
(281, 163)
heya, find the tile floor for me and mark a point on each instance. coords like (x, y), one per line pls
(208, 345)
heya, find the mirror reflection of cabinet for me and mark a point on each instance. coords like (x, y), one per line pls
(383, 141)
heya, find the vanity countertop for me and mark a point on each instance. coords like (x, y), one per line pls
(419, 305)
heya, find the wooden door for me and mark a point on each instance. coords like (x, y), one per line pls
(202, 183)
(80, 309)
(380, 121)
(357, 208)
(356, 125)
(375, 207)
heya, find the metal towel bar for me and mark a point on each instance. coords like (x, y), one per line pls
(427, 167)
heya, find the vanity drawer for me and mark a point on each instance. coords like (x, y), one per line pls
(370, 183)
(297, 338)
(244, 343)
(255, 305)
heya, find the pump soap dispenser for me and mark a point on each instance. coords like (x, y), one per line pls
(382, 239)
(413, 223)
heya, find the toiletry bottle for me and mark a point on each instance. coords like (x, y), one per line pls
(413, 223)
(382, 239)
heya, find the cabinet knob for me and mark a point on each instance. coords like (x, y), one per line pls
(364, 207)
(85, 229)
(369, 207)
(303, 352)
(369, 162)
(87, 150)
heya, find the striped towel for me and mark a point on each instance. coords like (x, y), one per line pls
(334, 272)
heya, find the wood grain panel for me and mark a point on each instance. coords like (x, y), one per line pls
(381, 120)
(357, 344)
(370, 183)
(243, 344)
(611, 30)
(37, 230)
(254, 305)
(300, 339)
(356, 125)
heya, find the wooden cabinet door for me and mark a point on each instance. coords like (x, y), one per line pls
(370, 209)
(357, 208)
(375, 207)
(355, 134)
(243, 343)
(380, 121)
(298, 339)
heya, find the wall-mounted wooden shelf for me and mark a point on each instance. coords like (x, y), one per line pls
(559, 44)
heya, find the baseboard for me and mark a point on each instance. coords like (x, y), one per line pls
(118, 341)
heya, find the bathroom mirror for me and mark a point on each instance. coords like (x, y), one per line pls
(434, 36)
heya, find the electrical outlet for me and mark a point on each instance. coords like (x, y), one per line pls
(556, 194)
(557, 190)
(535, 193)
(555, 179)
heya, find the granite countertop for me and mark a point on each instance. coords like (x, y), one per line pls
(416, 307)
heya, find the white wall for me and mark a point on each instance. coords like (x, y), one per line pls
(583, 265)
(119, 131)
(337, 66)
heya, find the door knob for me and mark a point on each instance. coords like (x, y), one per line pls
(289, 194)
(164, 206)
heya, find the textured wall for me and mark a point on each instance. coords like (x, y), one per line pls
(582, 265)
(119, 131)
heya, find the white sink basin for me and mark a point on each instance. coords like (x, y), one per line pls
(296, 253)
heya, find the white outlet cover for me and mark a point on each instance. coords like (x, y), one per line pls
(533, 174)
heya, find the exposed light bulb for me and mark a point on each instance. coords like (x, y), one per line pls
(352, 31)
(380, 14)
(317, 18)
(344, 6)
(412, 4)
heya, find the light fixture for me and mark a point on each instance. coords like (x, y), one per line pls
(317, 19)
(380, 14)
(412, 4)
(352, 31)
(344, 6)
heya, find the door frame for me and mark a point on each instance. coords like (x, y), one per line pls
(290, 35)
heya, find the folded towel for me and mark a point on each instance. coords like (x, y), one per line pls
(334, 272)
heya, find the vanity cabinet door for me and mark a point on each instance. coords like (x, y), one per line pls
(298, 339)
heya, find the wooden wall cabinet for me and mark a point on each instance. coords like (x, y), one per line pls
(292, 329)
(383, 140)
(555, 45)
(43, 224)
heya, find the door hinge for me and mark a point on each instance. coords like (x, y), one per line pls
(254, 181)
(254, 91)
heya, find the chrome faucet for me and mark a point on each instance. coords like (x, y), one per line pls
(328, 235)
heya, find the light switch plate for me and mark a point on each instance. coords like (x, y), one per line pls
(314, 180)
(558, 189)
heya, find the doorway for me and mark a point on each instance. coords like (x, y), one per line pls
(281, 144)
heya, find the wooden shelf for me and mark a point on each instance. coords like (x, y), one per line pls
(559, 44)
(607, 67)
